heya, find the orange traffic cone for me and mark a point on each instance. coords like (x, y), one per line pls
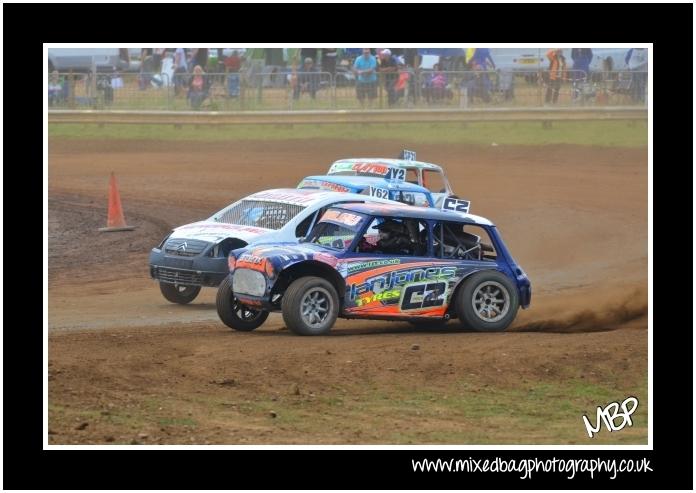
(115, 220)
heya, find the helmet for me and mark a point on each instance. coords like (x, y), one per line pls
(391, 227)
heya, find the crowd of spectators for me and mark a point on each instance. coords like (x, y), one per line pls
(394, 75)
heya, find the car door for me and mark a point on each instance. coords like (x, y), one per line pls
(394, 285)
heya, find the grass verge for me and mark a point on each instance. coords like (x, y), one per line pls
(593, 133)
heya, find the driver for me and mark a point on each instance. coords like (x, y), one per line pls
(393, 238)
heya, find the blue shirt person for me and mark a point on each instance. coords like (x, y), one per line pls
(365, 68)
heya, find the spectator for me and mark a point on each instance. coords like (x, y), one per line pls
(199, 56)
(477, 82)
(557, 71)
(389, 68)
(307, 80)
(365, 68)
(146, 68)
(482, 58)
(233, 64)
(198, 87)
(157, 56)
(435, 85)
(180, 70)
(328, 60)
(55, 89)
(481, 63)
(308, 53)
(411, 57)
(404, 78)
(582, 57)
(637, 61)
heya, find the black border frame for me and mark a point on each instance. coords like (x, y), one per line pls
(27, 466)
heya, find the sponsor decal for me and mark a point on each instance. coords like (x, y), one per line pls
(371, 264)
(384, 295)
(326, 258)
(300, 197)
(341, 217)
(324, 185)
(396, 174)
(252, 259)
(400, 278)
(423, 295)
(456, 205)
(380, 193)
(362, 168)
(252, 262)
(203, 228)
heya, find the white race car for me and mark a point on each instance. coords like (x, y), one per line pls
(195, 255)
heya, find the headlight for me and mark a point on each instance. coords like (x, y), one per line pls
(247, 281)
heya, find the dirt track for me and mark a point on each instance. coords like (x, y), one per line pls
(574, 217)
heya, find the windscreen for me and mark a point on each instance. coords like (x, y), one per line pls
(261, 214)
(336, 229)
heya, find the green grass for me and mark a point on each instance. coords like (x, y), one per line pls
(471, 411)
(463, 412)
(546, 413)
(593, 133)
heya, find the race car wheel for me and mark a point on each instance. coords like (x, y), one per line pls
(310, 306)
(487, 302)
(234, 314)
(178, 293)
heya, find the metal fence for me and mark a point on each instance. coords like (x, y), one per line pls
(118, 91)
(281, 89)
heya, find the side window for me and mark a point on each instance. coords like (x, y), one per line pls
(303, 228)
(412, 176)
(411, 198)
(464, 242)
(434, 181)
(420, 199)
(395, 236)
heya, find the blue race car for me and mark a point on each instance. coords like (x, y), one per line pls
(392, 189)
(378, 261)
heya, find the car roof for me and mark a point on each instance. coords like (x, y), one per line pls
(306, 196)
(363, 182)
(410, 211)
(399, 163)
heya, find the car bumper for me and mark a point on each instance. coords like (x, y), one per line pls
(525, 296)
(189, 271)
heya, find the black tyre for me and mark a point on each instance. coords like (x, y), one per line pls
(235, 315)
(487, 302)
(178, 293)
(310, 306)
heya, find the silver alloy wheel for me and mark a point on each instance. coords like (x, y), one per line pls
(491, 301)
(245, 313)
(315, 306)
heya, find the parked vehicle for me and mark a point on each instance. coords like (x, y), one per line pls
(84, 59)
